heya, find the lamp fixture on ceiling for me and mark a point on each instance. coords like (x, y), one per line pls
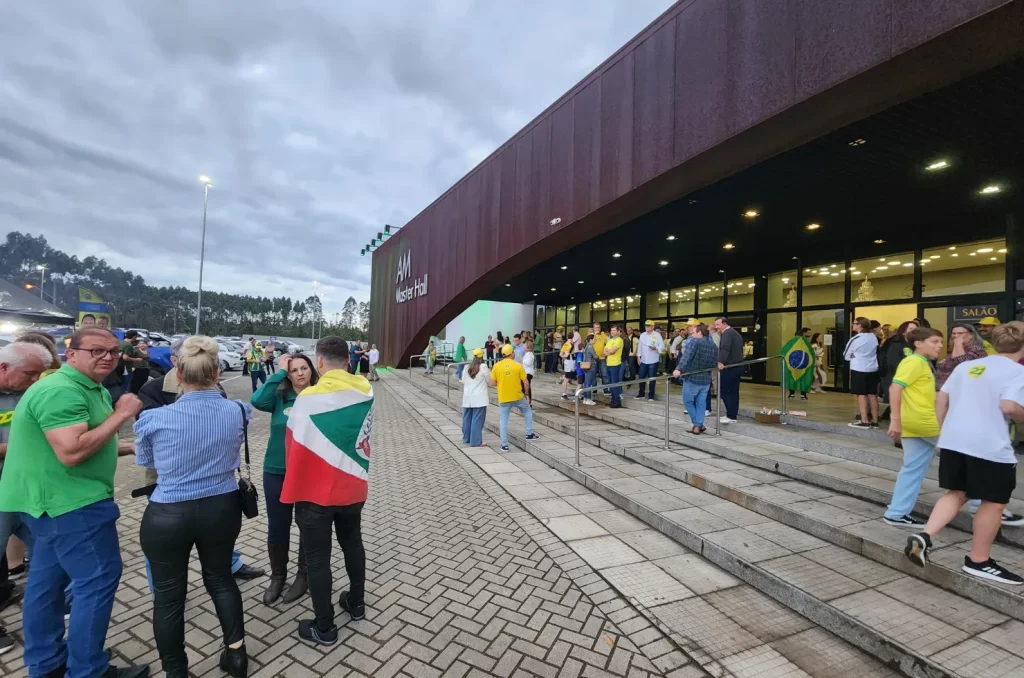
(616, 255)
(671, 237)
(857, 142)
(751, 214)
(728, 246)
(991, 189)
(813, 227)
(663, 263)
(613, 273)
(937, 165)
(508, 284)
(564, 267)
(879, 241)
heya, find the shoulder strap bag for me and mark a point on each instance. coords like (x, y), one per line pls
(246, 490)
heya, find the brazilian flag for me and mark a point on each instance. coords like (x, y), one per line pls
(799, 358)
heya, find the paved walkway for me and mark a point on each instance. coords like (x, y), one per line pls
(461, 581)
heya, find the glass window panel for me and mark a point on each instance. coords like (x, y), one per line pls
(878, 278)
(539, 315)
(560, 315)
(549, 316)
(584, 314)
(782, 290)
(570, 315)
(600, 314)
(828, 322)
(741, 295)
(964, 269)
(709, 297)
(825, 284)
(633, 307)
(617, 309)
(779, 328)
(657, 305)
(682, 301)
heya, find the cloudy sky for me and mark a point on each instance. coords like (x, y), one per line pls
(318, 122)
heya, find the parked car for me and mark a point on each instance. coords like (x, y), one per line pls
(228, 357)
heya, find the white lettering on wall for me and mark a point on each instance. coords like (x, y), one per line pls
(418, 287)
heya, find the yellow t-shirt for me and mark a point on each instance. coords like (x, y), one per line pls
(917, 410)
(615, 359)
(989, 348)
(510, 376)
(599, 341)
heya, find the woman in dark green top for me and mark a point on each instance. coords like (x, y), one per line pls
(277, 396)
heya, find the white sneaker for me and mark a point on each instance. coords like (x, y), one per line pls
(708, 413)
(727, 420)
(589, 402)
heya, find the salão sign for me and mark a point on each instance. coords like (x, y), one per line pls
(417, 288)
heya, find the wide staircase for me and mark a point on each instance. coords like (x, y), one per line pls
(794, 511)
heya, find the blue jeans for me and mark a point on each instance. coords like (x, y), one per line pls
(589, 379)
(602, 366)
(80, 546)
(458, 371)
(260, 376)
(12, 524)
(615, 375)
(236, 565)
(506, 408)
(694, 400)
(648, 371)
(917, 455)
(473, 425)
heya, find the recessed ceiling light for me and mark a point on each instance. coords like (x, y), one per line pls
(972, 253)
(909, 263)
(534, 294)
(616, 255)
(994, 258)
(935, 256)
(1002, 250)
(564, 267)
(671, 237)
(835, 275)
(937, 165)
(954, 255)
(552, 289)
(614, 273)
(882, 268)
(728, 246)
(990, 189)
(663, 263)
(882, 260)
(984, 250)
(823, 270)
(925, 261)
(857, 142)
(879, 241)
(833, 265)
(580, 281)
(508, 284)
(893, 263)
(751, 214)
(750, 285)
(953, 247)
(785, 280)
(813, 227)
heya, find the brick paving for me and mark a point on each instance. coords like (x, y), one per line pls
(461, 581)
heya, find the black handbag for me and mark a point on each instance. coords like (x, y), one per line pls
(246, 490)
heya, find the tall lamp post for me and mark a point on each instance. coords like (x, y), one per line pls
(42, 281)
(312, 325)
(207, 183)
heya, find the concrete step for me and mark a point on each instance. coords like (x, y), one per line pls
(907, 623)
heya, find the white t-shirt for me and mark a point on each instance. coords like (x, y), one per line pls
(650, 346)
(673, 348)
(373, 356)
(474, 391)
(974, 425)
(528, 359)
(862, 352)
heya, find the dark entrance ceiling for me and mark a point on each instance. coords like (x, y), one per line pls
(864, 182)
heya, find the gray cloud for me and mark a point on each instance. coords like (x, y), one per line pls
(319, 122)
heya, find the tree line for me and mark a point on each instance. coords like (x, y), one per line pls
(133, 303)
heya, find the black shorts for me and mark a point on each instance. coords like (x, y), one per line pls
(978, 478)
(864, 383)
(570, 376)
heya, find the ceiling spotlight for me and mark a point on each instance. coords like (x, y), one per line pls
(616, 255)
(580, 281)
(613, 273)
(937, 165)
(813, 227)
(1002, 250)
(728, 246)
(564, 267)
(857, 142)
(984, 250)
(990, 189)
(935, 256)
(663, 263)
(534, 294)
(751, 214)
(671, 237)
(954, 254)
(909, 263)
(993, 258)
(508, 284)
(879, 241)
(882, 268)
(953, 247)
(552, 289)
(835, 275)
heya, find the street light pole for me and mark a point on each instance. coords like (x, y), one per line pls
(42, 281)
(312, 324)
(202, 248)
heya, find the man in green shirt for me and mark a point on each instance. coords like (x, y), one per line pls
(460, 355)
(59, 474)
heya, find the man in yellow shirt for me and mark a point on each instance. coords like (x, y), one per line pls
(600, 338)
(914, 424)
(510, 378)
(613, 357)
(985, 327)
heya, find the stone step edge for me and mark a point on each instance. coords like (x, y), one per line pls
(963, 522)
(982, 592)
(889, 652)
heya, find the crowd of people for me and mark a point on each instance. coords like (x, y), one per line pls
(59, 447)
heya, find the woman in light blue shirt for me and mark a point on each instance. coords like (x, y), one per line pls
(193, 445)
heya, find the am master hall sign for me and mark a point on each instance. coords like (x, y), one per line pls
(418, 288)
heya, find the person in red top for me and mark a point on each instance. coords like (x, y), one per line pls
(489, 347)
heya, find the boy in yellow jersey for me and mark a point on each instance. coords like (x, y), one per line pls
(510, 378)
(914, 423)
(600, 338)
(613, 357)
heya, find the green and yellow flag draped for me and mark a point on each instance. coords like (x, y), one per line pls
(799, 358)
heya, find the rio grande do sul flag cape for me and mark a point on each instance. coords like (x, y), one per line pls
(327, 442)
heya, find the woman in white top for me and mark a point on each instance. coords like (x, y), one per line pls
(862, 352)
(528, 359)
(474, 399)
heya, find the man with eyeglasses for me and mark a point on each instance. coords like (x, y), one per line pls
(59, 474)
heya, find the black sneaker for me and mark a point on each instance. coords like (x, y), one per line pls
(249, 572)
(908, 522)
(917, 548)
(804, 397)
(311, 633)
(639, 396)
(991, 570)
(859, 424)
(532, 436)
(17, 572)
(6, 642)
(504, 448)
(873, 424)
(1011, 519)
(357, 612)
(565, 396)
(126, 671)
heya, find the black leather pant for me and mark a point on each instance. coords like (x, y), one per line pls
(315, 523)
(168, 533)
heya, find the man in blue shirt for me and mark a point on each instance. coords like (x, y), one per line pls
(700, 356)
(519, 348)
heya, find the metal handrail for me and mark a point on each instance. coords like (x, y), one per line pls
(448, 378)
(412, 358)
(667, 377)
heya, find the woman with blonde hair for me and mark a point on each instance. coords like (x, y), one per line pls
(193, 444)
(475, 380)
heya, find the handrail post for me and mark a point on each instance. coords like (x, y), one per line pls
(576, 406)
(448, 383)
(668, 400)
(718, 403)
(782, 385)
